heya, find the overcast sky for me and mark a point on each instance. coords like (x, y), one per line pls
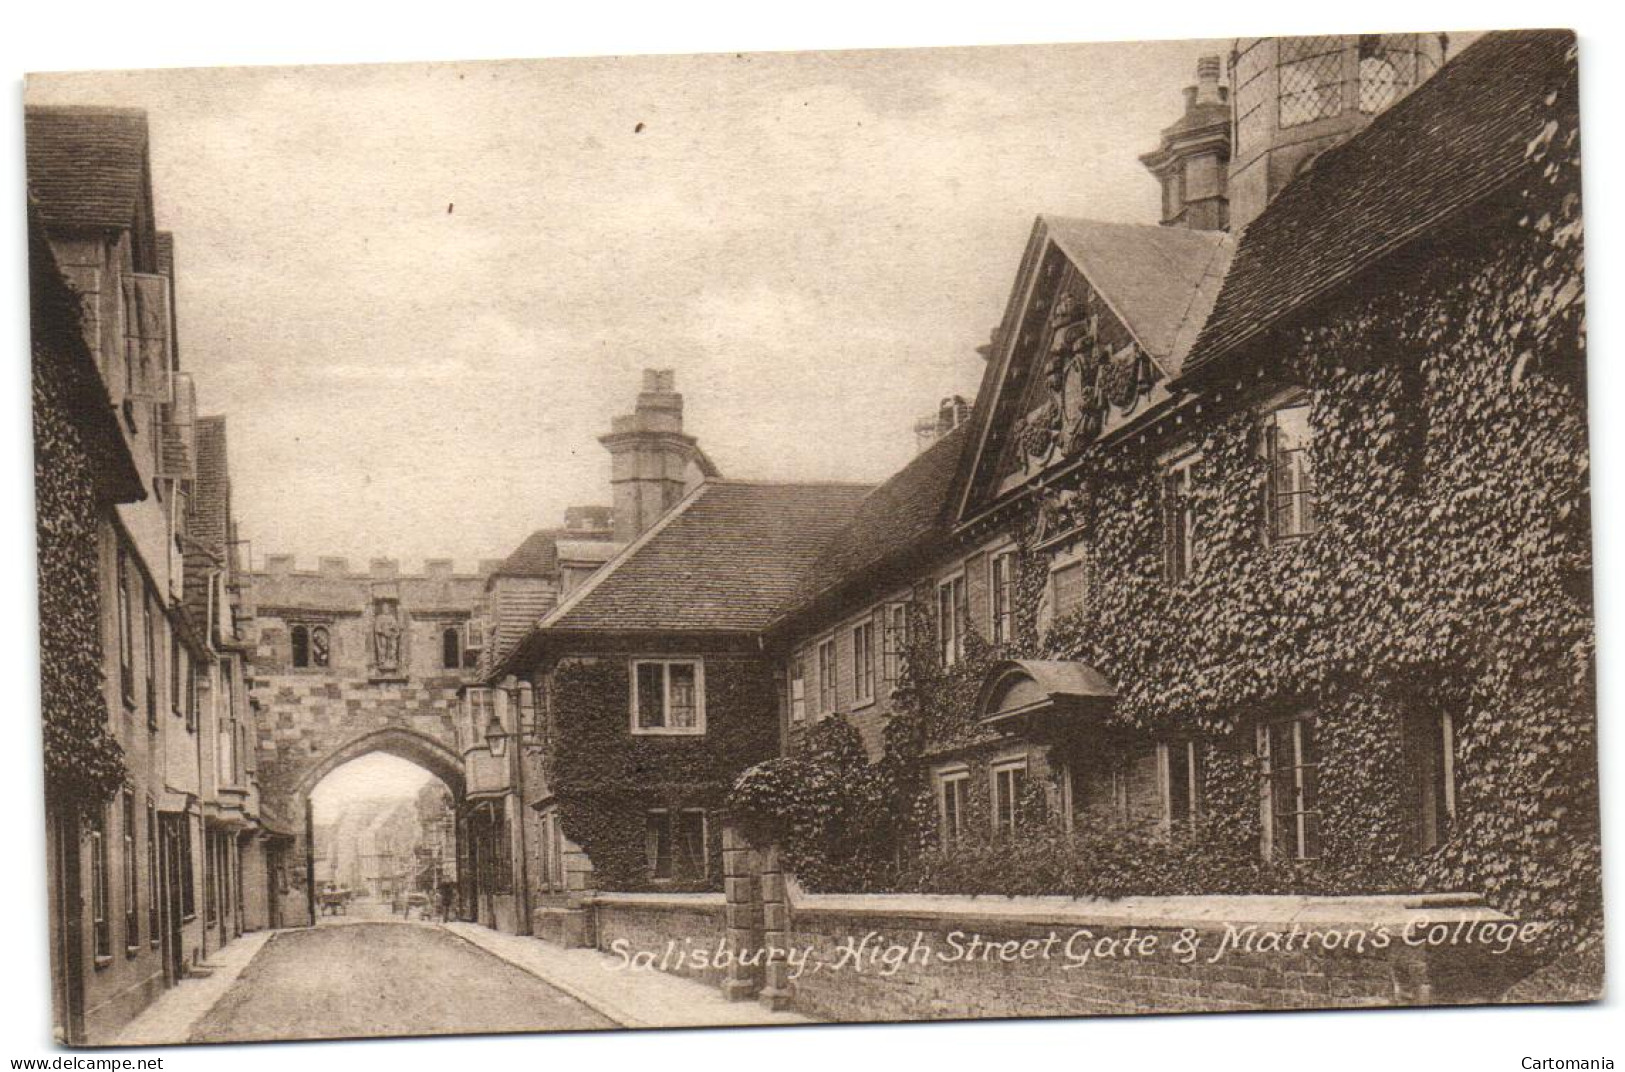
(419, 292)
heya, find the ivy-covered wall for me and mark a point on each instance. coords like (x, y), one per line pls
(1450, 569)
(606, 779)
(83, 762)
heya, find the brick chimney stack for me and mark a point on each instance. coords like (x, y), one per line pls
(652, 463)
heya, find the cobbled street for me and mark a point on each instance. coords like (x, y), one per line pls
(374, 979)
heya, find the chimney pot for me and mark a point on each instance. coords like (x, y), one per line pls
(1208, 71)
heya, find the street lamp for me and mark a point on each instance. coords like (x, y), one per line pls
(497, 735)
(496, 739)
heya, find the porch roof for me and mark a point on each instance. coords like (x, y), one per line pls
(1017, 687)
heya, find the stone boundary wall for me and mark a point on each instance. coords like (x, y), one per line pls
(674, 932)
(886, 957)
(904, 957)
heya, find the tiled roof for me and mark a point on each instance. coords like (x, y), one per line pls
(57, 334)
(1150, 275)
(1456, 138)
(87, 166)
(540, 554)
(896, 521)
(725, 559)
(536, 557)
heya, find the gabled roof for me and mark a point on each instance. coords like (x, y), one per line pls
(87, 167)
(1158, 282)
(725, 559)
(1458, 137)
(1150, 275)
(896, 522)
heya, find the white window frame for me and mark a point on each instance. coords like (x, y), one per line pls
(828, 657)
(1178, 564)
(1001, 619)
(863, 662)
(1193, 778)
(1296, 399)
(669, 818)
(1302, 807)
(952, 623)
(1440, 726)
(894, 643)
(957, 780)
(664, 730)
(796, 684)
(1008, 765)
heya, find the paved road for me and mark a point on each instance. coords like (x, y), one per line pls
(384, 979)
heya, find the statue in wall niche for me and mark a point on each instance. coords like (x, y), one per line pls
(386, 634)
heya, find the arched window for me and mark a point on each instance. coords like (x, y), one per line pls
(320, 646)
(451, 648)
(301, 646)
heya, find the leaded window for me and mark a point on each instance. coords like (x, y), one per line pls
(1311, 73)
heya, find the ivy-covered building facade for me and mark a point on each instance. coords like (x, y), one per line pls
(156, 855)
(1263, 564)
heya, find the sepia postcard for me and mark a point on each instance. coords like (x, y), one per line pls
(789, 538)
